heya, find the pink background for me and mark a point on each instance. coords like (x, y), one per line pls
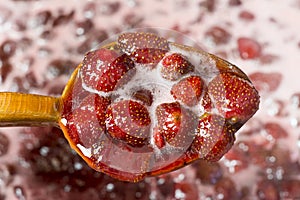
(43, 41)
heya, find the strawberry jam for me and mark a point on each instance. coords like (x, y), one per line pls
(135, 107)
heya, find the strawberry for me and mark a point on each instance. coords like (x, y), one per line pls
(143, 48)
(130, 42)
(149, 56)
(174, 66)
(158, 139)
(234, 97)
(104, 70)
(102, 54)
(73, 96)
(188, 90)
(214, 137)
(86, 123)
(128, 121)
(106, 55)
(175, 125)
(266, 82)
(249, 48)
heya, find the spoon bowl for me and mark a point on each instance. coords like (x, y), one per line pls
(142, 104)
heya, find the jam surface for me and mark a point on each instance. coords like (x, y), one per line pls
(144, 106)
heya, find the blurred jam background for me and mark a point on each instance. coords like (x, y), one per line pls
(42, 42)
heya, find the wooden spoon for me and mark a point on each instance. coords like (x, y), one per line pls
(142, 106)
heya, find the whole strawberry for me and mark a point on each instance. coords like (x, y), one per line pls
(174, 66)
(214, 137)
(175, 125)
(87, 122)
(128, 121)
(150, 56)
(235, 98)
(188, 90)
(130, 42)
(143, 48)
(104, 70)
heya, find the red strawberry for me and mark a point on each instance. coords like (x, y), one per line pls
(234, 97)
(102, 54)
(266, 82)
(73, 96)
(144, 48)
(104, 71)
(158, 139)
(128, 121)
(150, 56)
(218, 35)
(188, 90)
(174, 66)
(86, 123)
(248, 48)
(130, 42)
(215, 136)
(176, 125)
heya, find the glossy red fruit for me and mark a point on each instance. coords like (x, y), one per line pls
(130, 42)
(226, 188)
(174, 66)
(248, 48)
(290, 188)
(4, 144)
(86, 123)
(208, 172)
(214, 137)
(246, 15)
(267, 59)
(128, 121)
(238, 156)
(103, 70)
(266, 82)
(188, 90)
(234, 97)
(165, 186)
(75, 96)
(188, 190)
(176, 125)
(149, 56)
(234, 2)
(218, 35)
(267, 189)
(275, 130)
(143, 48)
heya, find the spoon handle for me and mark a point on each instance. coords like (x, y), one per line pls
(17, 109)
